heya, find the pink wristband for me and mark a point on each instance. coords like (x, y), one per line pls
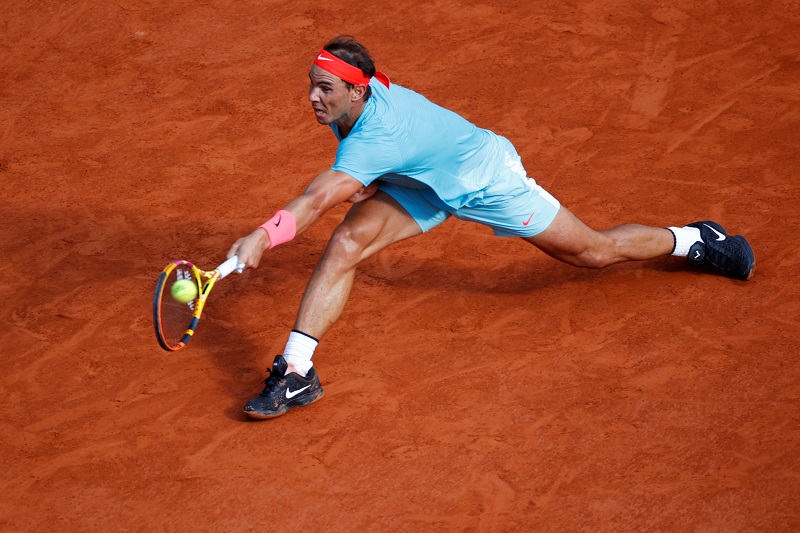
(281, 228)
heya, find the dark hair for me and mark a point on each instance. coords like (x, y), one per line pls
(349, 50)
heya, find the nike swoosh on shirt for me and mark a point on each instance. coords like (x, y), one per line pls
(720, 236)
(292, 393)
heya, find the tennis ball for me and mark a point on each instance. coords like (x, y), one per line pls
(184, 290)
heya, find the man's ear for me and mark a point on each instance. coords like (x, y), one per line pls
(358, 92)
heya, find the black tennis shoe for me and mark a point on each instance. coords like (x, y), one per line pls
(730, 255)
(283, 392)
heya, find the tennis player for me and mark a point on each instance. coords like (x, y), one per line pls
(407, 165)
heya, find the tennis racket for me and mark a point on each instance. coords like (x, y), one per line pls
(176, 322)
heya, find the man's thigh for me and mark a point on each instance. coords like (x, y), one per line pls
(377, 223)
(513, 205)
(567, 238)
(420, 204)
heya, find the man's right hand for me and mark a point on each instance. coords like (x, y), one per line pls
(250, 248)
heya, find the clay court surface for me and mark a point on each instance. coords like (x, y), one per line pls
(473, 384)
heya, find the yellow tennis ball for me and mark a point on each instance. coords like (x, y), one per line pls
(184, 290)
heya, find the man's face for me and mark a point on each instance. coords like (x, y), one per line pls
(329, 96)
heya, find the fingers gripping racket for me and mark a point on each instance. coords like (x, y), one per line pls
(175, 321)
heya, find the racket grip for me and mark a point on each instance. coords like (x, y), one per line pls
(229, 266)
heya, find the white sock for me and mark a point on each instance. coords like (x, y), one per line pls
(685, 237)
(299, 350)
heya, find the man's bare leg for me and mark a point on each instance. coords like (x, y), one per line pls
(568, 239)
(369, 227)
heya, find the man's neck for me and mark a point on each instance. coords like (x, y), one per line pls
(346, 123)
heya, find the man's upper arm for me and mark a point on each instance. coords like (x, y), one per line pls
(328, 190)
(331, 188)
(368, 154)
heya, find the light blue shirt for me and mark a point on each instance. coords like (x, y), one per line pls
(403, 137)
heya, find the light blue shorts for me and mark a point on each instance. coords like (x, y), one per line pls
(513, 205)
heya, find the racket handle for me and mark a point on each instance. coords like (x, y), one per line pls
(229, 266)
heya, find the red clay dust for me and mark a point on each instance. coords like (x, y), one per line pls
(473, 383)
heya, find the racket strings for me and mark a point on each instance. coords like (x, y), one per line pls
(175, 316)
(185, 273)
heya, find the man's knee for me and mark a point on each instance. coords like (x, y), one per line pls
(347, 243)
(584, 249)
(593, 258)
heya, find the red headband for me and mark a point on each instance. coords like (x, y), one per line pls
(344, 70)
